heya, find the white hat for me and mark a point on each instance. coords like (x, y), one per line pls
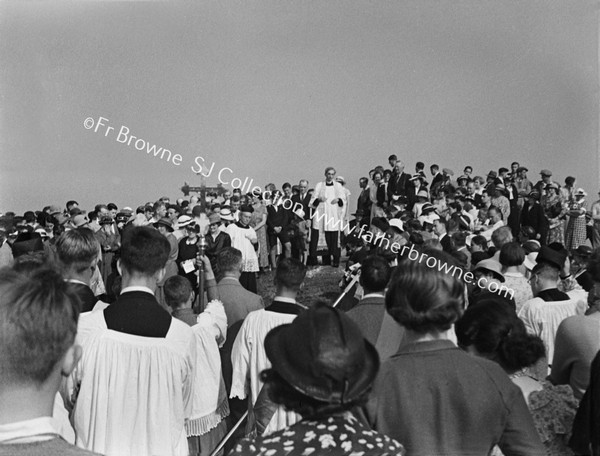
(184, 220)
(530, 260)
(429, 218)
(299, 212)
(226, 215)
(396, 223)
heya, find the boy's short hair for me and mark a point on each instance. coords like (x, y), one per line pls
(290, 273)
(177, 291)
(375, 273)
(77, 249)
(229, 259)
(144, 250)
(38, 324)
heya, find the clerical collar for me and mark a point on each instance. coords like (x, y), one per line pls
(137, 288)
(285, 306)
(329, 184)
(239, 224)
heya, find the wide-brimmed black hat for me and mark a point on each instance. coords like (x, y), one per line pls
(323, 355)
(554, 257)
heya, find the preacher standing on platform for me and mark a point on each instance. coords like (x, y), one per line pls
(327, 198)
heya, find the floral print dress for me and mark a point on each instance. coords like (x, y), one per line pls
(334, 435)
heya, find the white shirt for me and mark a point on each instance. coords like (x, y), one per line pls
(487, 234)
(33, 430)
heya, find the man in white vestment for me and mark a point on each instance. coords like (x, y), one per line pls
(244, 238)
(327, 199)
(134, 380)
(248, 354)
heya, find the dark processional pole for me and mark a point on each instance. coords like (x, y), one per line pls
(201, 246)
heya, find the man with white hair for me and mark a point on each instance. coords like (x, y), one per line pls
(399, 182)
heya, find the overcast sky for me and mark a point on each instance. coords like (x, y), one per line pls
(275, 91)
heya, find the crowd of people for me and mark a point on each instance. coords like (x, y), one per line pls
(143, 332)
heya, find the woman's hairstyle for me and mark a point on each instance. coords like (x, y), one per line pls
(512, 254)
(496, 332)
(425, 294)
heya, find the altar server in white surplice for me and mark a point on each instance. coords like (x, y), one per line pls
(134, 380)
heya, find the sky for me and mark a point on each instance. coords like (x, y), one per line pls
(275, 91)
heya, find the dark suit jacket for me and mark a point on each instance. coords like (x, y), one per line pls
(381, 195)
(447, 244)
(213, 247)
(305, 203)
(237, 301)
(277, 216)
(138, 313)
(368, 315)
(87, 300)
(436, 182)
(398, 185)
(364, 203)
(534, 217)
(378, 327)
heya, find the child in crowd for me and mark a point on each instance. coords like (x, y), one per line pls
(180, 297)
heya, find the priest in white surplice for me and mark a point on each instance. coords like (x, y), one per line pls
(244, 238)
(327, 200)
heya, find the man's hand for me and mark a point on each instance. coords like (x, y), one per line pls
(203, 263)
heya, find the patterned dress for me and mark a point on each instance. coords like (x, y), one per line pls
(554, 210)
(518, 283)
(576, 233)
(553, 410)
(335, 435)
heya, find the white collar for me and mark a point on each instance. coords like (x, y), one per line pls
(282, 299)
(230, 278)
(137, 288)
(76, 281)
(374, 295)
(34, 430)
